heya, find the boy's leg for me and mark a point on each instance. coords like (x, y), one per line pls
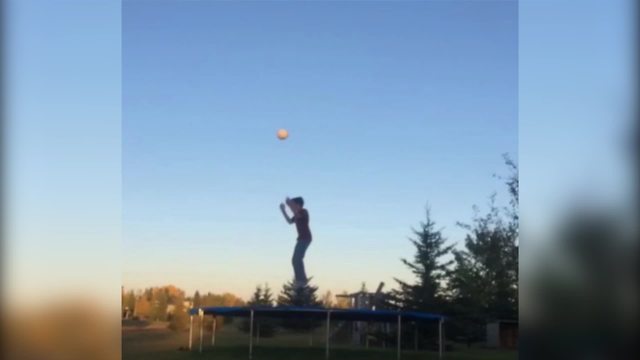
(303, 273)
(297, 261)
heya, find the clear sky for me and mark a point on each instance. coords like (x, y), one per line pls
(389, 106)
(576, 104)
(63, 152)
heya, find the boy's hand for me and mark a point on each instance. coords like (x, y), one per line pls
(284, 213)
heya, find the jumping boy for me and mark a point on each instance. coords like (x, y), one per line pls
(301, 219)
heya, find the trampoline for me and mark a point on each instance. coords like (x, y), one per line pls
(382, 316)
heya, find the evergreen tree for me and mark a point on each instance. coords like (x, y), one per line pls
(484, 283)
(469, 298)
(256, 298)
(197, 299)
(299, 297)
(426, 293)
(267, 296)
(491, 249)
(261, 298)
(513, 226)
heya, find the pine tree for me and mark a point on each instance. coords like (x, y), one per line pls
(491, 256)
(197, 299)
(484, 283)
(491, 249)
(267, 296)
(469, 290)
(427, 292)
(299, 297)
(267, 327)
(261, 298)
(513, 184)
(256, 299)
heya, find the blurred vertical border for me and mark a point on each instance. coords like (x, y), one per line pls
(61, 278)
(579, 284)
(2, 171)
(2, 153)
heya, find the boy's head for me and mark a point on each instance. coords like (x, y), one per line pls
(296, 203)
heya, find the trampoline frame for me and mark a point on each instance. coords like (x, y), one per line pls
(384, 316)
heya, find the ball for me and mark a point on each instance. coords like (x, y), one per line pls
(283, 134)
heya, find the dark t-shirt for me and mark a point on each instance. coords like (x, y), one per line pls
(302, 225)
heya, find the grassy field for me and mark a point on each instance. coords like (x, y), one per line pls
(158, 343)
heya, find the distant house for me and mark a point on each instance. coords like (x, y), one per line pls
(502, 334)
(171, 309)
(364, 300)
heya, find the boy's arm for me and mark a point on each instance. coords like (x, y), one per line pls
(286, 216)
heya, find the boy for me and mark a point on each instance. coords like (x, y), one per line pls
(301, 219)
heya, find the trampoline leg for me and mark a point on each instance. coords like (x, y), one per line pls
(366, 336)
(190, 331)
(257, 333)
(326, 355)
(399, 335)
(440, 339)
(415, 336)
(386, 334)
(251, 336)
(213, 334)
(201, 329)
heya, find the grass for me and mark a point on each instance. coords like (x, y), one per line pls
(159, 343)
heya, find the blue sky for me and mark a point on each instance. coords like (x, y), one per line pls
(576, 110)
(63, 159)
(389, 106)
(188, 168)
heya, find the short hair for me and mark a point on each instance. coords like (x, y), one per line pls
(298, 200)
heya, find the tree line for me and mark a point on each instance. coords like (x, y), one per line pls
(169, 303)
(471, 284)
